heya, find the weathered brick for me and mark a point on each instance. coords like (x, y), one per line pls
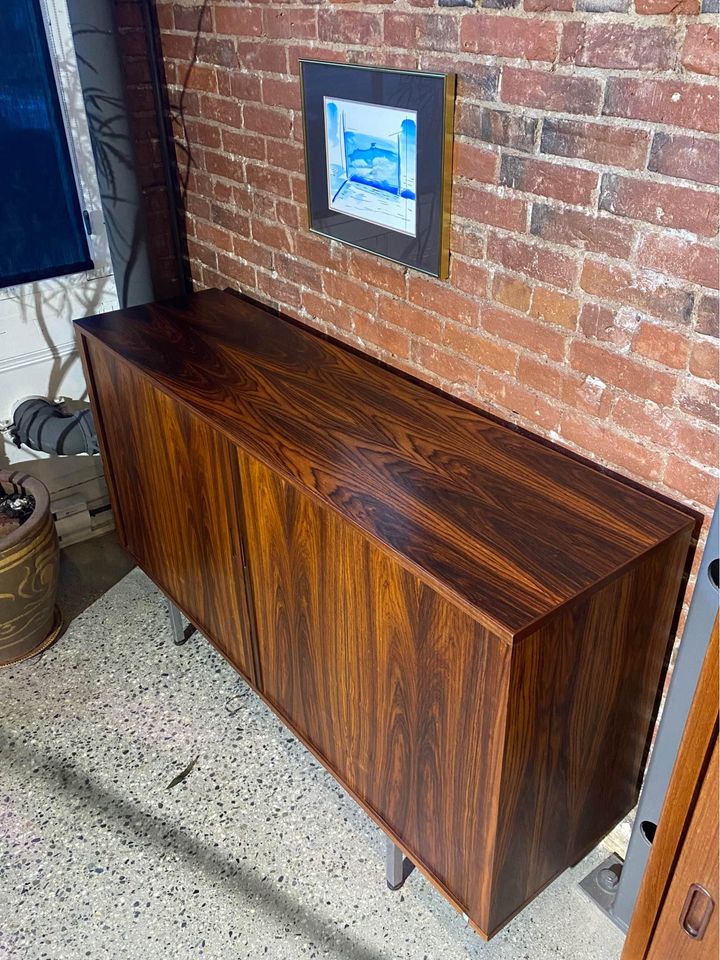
(231, 219)
(349, 26)
(479, 348)
(428, 32)
(499, 4)
(236, 273)
(704, 360)
(512, 292)
(551, 91)
(697, 442)
(665, 204)
(624, 286)
(265, 178)
(555, 308)
(286, 154)
(475, 163)
(343, 289)
(388, 339)
(600, 441)
(540, 6)
(632, 376)
(475, 80)
(509, 37)
(249, 146)
(297, 271)
(708, 318)
(515, 398)
(677, 257)
(617, 46)
(447, 367)
(467, 240)
(271, 235)
(571, 184)
(240, 85)
(692, 483)
(602, 6)
(700, 51)
(684, 156)
(238, 21)
(262, 119)
(598, 142)
(700, 399)
(690, 105)
(582, 230)
(470, 276)
(281, 93)
(668, 347)
(220, 52)
(411, 318)
(533, 260)
(506, 129)
(675, 7)
(645, 419)
(579, 391)
(442, 299)
(524, 332)
(294, 23)
(268, 57)
(486, 206)
(377, 273)
(599, 322)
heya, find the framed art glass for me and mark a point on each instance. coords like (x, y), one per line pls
(378, 155)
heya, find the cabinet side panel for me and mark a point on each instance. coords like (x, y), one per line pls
(584, 692)
(176, 485)
(401, 693)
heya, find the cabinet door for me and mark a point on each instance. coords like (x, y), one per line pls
(398, 691)
(175, 490)
(693, 898)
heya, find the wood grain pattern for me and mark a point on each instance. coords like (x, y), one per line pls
(175, 492)
(685, 848)
(496, 766)
(469, 629)
(507, 528)
(582, 703)
(400, 693)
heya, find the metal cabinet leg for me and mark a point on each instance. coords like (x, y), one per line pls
(180, 634)
(394, 865)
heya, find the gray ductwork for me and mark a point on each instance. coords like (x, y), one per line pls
(42, 425)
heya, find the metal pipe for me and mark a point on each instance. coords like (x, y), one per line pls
(42, 425)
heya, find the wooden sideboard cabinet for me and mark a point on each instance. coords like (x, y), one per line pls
(468, 627)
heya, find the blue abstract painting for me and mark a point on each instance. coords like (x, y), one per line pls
(371, 155)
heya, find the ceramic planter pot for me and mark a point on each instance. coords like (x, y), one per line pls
(29, 567)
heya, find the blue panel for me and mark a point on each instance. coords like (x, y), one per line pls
(42, 233)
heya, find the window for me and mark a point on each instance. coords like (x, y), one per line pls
(42, 229)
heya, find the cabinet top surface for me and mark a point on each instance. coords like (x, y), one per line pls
(506, 526)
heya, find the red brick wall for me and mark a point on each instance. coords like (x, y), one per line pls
(582, 300)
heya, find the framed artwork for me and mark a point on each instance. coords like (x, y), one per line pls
(378, 160)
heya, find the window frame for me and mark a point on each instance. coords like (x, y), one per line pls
(58, 33)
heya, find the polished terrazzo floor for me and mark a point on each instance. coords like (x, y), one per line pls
(256, 854)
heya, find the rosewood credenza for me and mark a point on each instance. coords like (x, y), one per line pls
(468, 627)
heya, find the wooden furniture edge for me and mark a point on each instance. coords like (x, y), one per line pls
(694, 753)
(503, 633)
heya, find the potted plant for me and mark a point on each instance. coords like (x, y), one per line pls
(29, 566)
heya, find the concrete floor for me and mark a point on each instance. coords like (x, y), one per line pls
(257, 853)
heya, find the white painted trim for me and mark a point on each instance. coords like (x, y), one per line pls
(38, 356)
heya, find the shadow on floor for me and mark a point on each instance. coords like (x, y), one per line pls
(126, 816)
(87, 571)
